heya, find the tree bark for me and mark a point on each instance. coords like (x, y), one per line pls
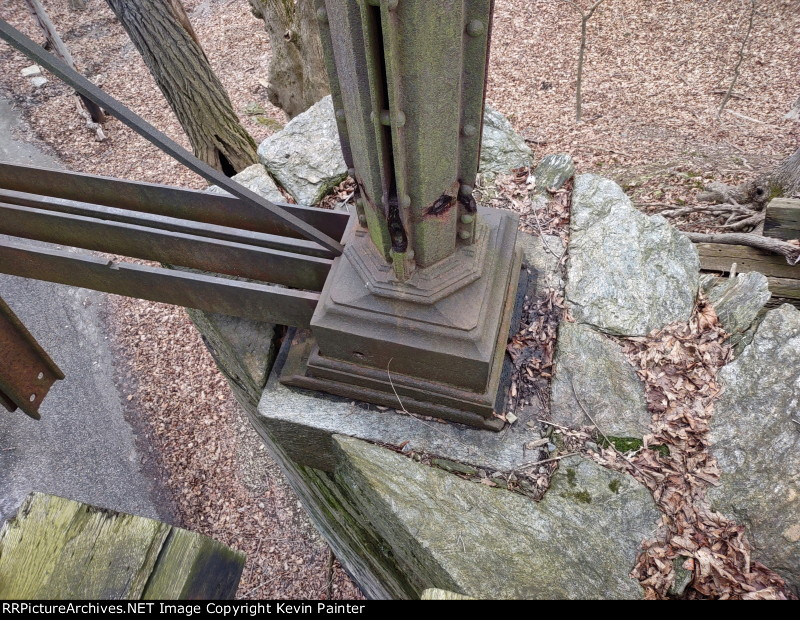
(785, 181)
(296, 75)
(161, 32)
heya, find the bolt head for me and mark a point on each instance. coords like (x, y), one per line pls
(475, 28)
(470, 130)
(466, 190)
(464, 234)
(467, 218)
(322, 15)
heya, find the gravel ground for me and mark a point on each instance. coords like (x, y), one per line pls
(654, 77)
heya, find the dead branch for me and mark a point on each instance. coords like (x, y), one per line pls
(61, 50)
(789, 251)
(745, 223)
(738, 66)
(96, 127)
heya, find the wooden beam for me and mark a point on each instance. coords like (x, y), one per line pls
(57, 548)
(720, 257)
(782, 219)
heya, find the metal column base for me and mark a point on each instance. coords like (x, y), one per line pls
(386, 381)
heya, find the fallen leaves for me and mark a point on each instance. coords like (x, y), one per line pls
(679, 366)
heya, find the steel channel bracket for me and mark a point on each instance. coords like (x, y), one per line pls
(26, 371)
(416, 312)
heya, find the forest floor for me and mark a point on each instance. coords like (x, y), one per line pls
(654, 78)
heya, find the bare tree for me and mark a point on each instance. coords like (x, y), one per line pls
(741, 56)
(586, 15)
(296, 75)
(161, 31)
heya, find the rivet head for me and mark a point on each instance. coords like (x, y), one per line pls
(362, 220)
(464, 234)
(475, 28)
(466, 190)
(470, 130)
(399, 119)
(405, 201)
(351, 172)
(467, 218)
(322, 15)
(409, 254)
(340, 114)
(386, 118)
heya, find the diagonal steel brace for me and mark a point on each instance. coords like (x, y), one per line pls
(26, 371)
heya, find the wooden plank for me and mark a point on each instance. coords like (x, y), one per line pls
(210, 570)
(720, 257)
(60, 549)
(784, 287)
(782, 219)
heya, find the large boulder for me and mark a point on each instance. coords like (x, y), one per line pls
(592, 368)
(580, 542)
(502, 149)
(256, 179)
(305, 156)
(755, 436)
(628, 273)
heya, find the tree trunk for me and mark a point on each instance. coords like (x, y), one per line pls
(161, 32)
(297, 77)
(785, 181)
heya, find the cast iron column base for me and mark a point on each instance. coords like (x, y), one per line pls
(433, 345)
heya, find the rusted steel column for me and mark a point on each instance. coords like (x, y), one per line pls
(427, 284)
(408, 81)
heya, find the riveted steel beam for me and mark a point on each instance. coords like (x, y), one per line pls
(178, 249)
(211, 293)
(186, 204)
(189, 227)
(26, 371)
(152, 135)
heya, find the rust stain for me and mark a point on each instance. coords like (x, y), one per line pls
(441, 205)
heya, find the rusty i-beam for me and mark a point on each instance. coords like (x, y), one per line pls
(414, 314)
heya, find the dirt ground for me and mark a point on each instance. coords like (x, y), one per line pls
(654, 77)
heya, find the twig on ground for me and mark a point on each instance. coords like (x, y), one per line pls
(602, 434)
(542, 462)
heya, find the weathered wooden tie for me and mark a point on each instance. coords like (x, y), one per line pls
(782, 222)
(57, 548)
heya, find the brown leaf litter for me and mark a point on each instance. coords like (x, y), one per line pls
(679, 366)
